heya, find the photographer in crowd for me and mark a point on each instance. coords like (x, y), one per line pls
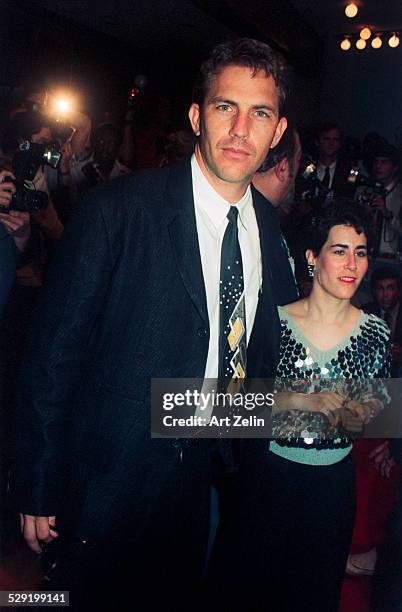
(102, 165)
(384, 195)
(15, 230)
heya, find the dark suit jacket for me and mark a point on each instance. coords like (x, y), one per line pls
(8, 256)
(125, 302)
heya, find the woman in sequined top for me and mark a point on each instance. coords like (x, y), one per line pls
(303, 513)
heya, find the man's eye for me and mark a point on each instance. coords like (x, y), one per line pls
(224, 107)
(261, 113)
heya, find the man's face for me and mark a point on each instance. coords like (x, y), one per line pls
(386, 293)
(106, 148)
(237, 125)
(42, 137)
(329, 143)
(383, 169)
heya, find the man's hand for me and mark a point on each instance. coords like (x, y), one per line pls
(379, 203)
(37, 529)
(6, 188)
(18, 225)
(383, 462)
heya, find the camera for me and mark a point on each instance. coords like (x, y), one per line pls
(310, 185)
(25, 166)
(373, 188)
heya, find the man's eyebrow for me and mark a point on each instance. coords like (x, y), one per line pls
(347, 246)
(221, 100)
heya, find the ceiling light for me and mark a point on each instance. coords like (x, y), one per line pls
(376, 43)
(365, 33)
(393, 41)
(351, 10)
(360, 44)
(345, 44)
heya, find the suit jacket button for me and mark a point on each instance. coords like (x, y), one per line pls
(202, 332)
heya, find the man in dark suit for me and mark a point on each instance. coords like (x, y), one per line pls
(386, 289)
(134, 295)
(332, 170)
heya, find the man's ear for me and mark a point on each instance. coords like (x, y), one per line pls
(310, 257)
(195, 117)
(282, 170)
(280, 128)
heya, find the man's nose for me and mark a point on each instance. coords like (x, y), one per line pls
(240, 126)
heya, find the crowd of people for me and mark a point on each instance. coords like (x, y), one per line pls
(127, 241)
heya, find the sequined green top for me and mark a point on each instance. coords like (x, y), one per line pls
(363, 354)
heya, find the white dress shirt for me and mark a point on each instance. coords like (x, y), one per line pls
(321, 172)
(211, 219)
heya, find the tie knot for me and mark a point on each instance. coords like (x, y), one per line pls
(233, 214)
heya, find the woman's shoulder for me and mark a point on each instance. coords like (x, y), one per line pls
(376, 326)
(294, 309)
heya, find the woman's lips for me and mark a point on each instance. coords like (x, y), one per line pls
(349, 280)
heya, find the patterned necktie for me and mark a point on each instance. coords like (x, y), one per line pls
(326, 178)
(232, 331)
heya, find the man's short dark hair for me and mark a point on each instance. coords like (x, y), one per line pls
(285, 148)
(22, 127)
(327, 126)
(387, 151)
(341, 211)
(246, 52)
(384, 273)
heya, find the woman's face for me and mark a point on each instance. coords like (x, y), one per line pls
(341, 263)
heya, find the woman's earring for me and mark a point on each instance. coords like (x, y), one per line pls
(311, 268)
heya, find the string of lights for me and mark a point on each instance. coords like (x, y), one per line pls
(359, 40)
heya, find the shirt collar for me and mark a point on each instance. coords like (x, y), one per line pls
(216, 207)
(331, 166)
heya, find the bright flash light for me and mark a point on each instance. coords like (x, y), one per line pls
(63, 105)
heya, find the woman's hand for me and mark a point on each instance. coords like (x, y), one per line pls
(326, 402)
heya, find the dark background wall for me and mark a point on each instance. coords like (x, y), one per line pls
(98, 48)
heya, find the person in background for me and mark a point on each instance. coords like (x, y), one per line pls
(100, 167)
(15, 231)
(385, 201)
(386, 290)
(275, 179)
(332, 169)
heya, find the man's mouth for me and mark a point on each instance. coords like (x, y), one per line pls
(349, 280)
(234, 153)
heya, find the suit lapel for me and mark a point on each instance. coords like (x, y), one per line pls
(266, 314)
(184, 238)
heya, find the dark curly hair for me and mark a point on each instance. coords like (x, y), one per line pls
(246, 52)
(340, 211)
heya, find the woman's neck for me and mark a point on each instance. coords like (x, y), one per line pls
(324, 308)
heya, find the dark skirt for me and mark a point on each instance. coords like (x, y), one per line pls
(287, 546)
